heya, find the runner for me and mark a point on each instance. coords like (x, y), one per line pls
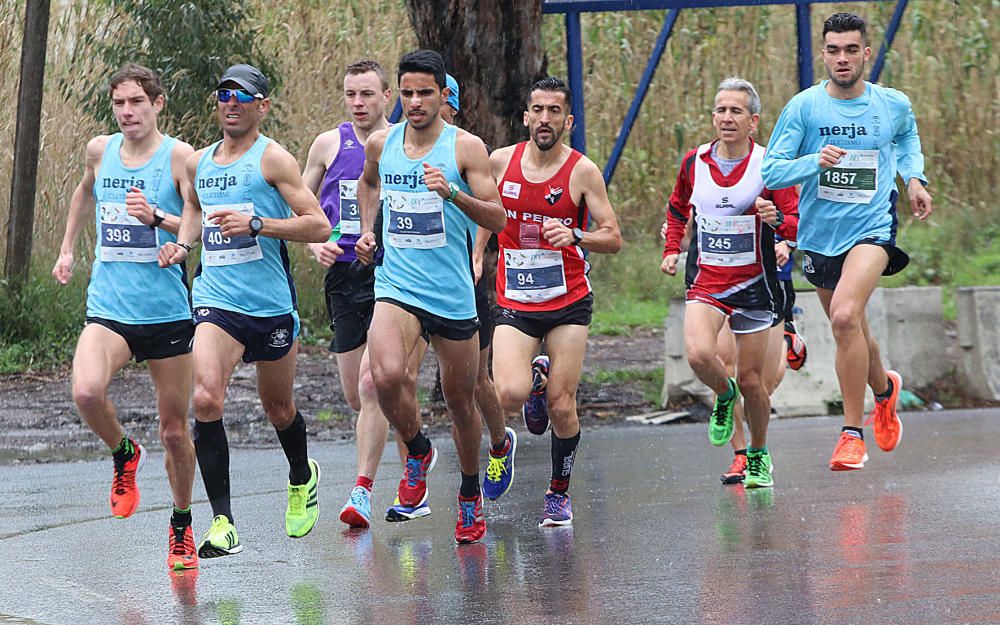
(550, 192)
(336, 160)
(135, 309)
(432, 175)
(503, 440)
(731, 271)
(843, 140)
(245, 200)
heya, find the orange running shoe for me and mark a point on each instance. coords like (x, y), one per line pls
(736, 471)
(848, 454)
(181, 554)
(124, 492)
(888, 427)
(796, 352)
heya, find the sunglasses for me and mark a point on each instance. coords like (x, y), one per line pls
(243, 97)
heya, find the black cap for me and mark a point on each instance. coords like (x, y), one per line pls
(248, 77)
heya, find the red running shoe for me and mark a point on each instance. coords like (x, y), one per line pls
(888, 427)
(413, 485)
(736, 471)
(848, 454)
(471, 525)
(796, 355)
(124, 492)
(181, 553)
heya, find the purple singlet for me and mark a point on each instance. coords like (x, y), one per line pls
(338, 195)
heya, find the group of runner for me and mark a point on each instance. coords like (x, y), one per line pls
(401, 215)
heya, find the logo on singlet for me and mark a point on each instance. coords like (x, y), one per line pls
(512, 189)
(216, 182)
(845, 131)
(553, 195)
(124, 183)
(349, 144)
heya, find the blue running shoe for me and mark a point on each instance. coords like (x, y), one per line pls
(558, 510)
(357, 512)
(535, 411)
(397, 512)
(500, 471)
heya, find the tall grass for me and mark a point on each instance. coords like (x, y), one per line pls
(944, 57)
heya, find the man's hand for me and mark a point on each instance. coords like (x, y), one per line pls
(556, 233)
(830, 156)
(138, 207)
(663, 231)
(781, 253)
(669, 264)
(921, 202)
(435, 181)
(63, 269)
(326, 253)
(171, 254)
(365, 247)
(230, 222)
(767, 210)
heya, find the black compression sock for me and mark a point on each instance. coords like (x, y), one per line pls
(563, 456)
(212, 449)
(293, 442)
(470, 486)
(418, 445)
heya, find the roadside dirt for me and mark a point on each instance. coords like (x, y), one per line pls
(40, 423)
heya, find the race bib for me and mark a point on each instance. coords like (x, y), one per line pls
(415, 220)
(221, 250)
(350, 214)
(125, 238)
(854, 180)
(534, 275)
(727, 241)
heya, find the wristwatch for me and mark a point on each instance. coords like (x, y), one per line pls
(256, 225)
(158, 217)
(577, 236)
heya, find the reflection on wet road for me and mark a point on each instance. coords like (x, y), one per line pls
(909, 539)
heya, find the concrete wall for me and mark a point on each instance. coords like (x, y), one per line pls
(979, 341)
(907, 322)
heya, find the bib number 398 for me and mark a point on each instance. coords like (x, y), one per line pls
(124, 238)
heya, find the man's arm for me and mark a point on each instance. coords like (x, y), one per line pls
(483, 206)
(783, 166)
(606, 237)
(81, 204)
(909, 157)
(189, 231)
(369, 187)
(678, 215)
(323, 151)
(308, 223)
(786, 202)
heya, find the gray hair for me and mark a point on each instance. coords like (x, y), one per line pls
(735, 83)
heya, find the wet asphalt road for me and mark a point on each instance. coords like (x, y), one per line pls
(911, 539)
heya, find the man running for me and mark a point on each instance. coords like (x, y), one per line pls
(246, 199)
(503, 440)
(731, 271)
(437, 186)
(843, 141)
(551, 192)
(336, 160)
(135, 309)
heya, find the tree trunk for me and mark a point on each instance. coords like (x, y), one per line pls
(493, 48)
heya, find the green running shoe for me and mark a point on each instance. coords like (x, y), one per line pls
(220, 540)
(303, 505)
(720, 424)
(759, 469)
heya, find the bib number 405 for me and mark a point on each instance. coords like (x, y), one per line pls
(215, 238)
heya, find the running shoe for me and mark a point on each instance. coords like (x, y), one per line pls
(124, 491)
(558, 510)
(397, 512)
(736, 471)
(471, 524)
(720, 424)
(759, 470)
(796, 354)
(303, 505)
(181, 553)
(535, 411)
(357, 512)
(848, 454)
(888, 427)
(500, 470)
(220, 539)
(413, 485)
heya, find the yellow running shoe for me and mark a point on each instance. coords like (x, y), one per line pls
(303, 505)
(220, 540)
